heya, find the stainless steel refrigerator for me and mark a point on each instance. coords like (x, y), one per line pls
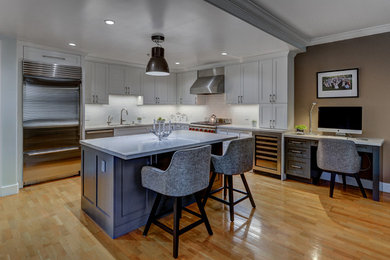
(51, 121)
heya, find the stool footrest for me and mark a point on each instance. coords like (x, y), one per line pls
(215, 191)
(226, 202)
(190, 226)
(192, 212)
(162, 226)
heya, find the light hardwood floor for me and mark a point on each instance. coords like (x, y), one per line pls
(292, 221)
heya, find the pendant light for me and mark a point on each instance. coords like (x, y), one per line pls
(157, 65)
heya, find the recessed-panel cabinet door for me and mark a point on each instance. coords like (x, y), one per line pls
(280, 116)
(233, 83)
(88, 82)
(133, 80)
(179, 88)
(117, 80)
(101, 83)
(280, 88)
(171, 85)
(89, 175)
(250, 83)
(148, 90)
(265, 77)
(265, 115)
(161, 90)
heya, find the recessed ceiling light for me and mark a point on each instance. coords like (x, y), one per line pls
(109, 22)
(72, 44)
(224, 53)
(177, 63)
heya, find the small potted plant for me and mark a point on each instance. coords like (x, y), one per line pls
(254, 123)
(139, 120)
(300, 129)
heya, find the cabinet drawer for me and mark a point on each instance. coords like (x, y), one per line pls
(298, 167)
(51, 57)
(298, 143)
(298, 152)
(131, 131)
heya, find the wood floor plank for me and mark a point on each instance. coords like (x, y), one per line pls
(292, 220)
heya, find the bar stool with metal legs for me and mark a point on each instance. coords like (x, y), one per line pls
(238, 159)
(339, 157)
(187, 174)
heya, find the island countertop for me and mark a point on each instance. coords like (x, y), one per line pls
(136, 146)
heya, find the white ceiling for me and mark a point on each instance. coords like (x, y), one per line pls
(319, 18)
(196, 32)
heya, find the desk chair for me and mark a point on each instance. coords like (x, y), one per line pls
(187, 174)
(237, 160)
(339, 157)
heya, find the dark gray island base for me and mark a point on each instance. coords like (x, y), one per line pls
(112, 194)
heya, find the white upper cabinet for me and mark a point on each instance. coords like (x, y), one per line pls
(274, 80)
(233, 83)
(96, 83)
(266, 115)
(159, 90)
(171, 87)
(280, 71)
(117, 80)
(148, 90)
(125, 80)
(184, 82)
(242, 83)
(133, 80)
(250, 83)
(265, 77)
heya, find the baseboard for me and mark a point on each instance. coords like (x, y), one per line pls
(367, 184)
(9, 190)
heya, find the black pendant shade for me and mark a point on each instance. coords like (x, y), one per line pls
(157, 65)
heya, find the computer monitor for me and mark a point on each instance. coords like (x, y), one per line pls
(341, 120)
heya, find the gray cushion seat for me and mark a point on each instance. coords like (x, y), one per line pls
(187, 174)
(339, 156)
(238, 159)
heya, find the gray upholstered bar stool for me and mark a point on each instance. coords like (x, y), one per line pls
(339, 157)
(238, 159)
(187, 174)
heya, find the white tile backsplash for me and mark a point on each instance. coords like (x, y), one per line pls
(96, 115)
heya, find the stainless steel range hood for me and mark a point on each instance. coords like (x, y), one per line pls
(210, 81)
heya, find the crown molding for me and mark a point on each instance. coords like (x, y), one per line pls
(260, 18)
(351, 34)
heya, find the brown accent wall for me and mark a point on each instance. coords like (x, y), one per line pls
(371, 55)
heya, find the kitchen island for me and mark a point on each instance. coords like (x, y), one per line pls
(112, 194)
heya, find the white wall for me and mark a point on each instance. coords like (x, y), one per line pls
(8, 117)
(96, 115)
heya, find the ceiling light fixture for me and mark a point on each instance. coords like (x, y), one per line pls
(72, 44)
(224, 53)
(157, 65)
(177, 63)
(109, 22)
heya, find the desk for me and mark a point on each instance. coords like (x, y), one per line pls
(301, 161)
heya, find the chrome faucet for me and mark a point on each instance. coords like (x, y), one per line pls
(127, 113)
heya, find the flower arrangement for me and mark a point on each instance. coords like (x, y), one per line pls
(300, 129)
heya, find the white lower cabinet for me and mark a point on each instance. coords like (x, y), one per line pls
(96, 83)
(273, 116)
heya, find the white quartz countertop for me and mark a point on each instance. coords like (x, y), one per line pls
(249, 128)
(359, 140)
(135, 146)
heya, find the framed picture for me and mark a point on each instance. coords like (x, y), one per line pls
(338, 83)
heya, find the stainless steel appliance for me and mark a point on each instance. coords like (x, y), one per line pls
(210, 81)
(51, 121)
